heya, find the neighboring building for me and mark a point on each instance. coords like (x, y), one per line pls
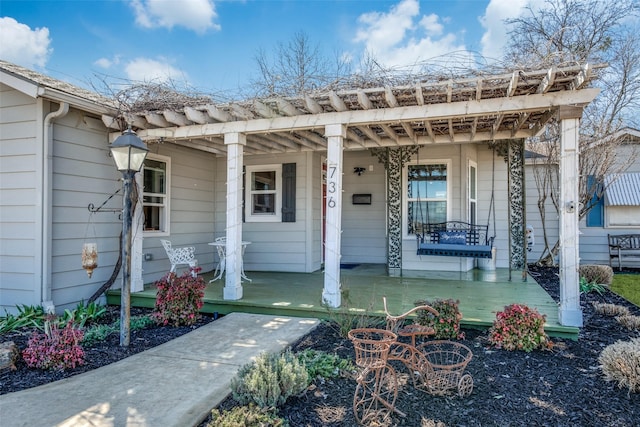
(332, 177)
(617, 212)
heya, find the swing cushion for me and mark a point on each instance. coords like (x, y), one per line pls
(448, 249)
(452, 237)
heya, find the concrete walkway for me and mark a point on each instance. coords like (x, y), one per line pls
(174, 384)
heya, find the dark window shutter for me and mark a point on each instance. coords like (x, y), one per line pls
(595, 216)
(288, 192)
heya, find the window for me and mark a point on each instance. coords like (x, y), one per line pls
(264, 196)
(473, 192)
(427, 196)
(156, 193)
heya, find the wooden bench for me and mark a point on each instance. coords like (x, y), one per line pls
(455, 238)
(623, 246)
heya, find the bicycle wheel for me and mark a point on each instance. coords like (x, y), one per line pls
(375, 395)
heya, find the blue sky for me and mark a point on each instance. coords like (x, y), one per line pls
(210, 45)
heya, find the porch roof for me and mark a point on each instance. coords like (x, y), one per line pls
(484, 108)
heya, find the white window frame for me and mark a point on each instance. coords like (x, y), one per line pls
(277, 215)
(472, 198)
(165, 227)
(405, 198)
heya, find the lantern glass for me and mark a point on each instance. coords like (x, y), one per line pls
(129, 152)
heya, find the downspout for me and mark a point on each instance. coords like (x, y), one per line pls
(47, 193)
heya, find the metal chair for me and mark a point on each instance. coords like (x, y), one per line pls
(181, 256)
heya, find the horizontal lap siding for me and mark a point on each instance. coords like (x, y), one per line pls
(276, 246)
(363, 226)
(84, 173)
(19, 204)
(193, 184)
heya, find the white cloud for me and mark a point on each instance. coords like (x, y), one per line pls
(106, 62)
(196, 15)
(494, 38)
(151, 70)
(403, 37)
(22, 45)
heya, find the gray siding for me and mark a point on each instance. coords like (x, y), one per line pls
(20, 159)
(363, 226)
(193, 214)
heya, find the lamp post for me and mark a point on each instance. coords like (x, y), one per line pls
(129, 153)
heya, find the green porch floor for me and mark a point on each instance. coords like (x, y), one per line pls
(481, 294)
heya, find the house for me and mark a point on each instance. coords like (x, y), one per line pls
(616, 212)
(336, 176)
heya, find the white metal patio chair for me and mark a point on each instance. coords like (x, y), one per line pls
(185, 255)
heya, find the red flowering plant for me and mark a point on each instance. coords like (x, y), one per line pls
(179, 299)
(447, 324)
(55, 348)
(519, 327)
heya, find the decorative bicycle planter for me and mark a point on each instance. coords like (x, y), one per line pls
(377, 388)
(444, 370)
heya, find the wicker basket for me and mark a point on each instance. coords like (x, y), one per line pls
(371, 346)
(447, 361)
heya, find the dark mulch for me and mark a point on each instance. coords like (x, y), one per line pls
(543, 388)
(100, 354)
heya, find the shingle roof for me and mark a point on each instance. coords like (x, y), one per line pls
(623, 189)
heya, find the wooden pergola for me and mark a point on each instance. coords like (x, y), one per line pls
(515, 105)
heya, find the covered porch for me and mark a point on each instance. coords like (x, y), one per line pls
(481, 294)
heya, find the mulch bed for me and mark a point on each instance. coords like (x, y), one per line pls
(561, 387)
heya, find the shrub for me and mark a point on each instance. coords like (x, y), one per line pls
(346, 317)
(97, 333)
(246, 416)
(447, 324)
(270, 380)
(620, 362)
(322, 364)
(613, 310)
(179, 299)
(56, 348)
(601, 274)
(519, 327)
(632, 323)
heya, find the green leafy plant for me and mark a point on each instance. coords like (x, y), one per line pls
(28, 316)
(447, 323)
(56, 348)
(519, 327)
(179, 299)
(322, 364)
(620, 362)
(83, 315)
(588, 287)
(246, 416)
(270, 380)
(97, 333)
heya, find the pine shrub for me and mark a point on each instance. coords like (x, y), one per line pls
(179, 299)
(612, 310)
(620, 362)
(519, 327)
(246, 416)
(631, 322)
(270, 380)
(600, 274)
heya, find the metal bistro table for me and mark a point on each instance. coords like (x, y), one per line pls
(221, 245)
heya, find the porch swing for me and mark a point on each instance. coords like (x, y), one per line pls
(457, 238)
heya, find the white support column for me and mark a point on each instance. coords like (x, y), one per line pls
(335, 134)
(570, 313)
(233, 284)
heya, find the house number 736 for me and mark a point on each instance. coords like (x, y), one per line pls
(331, 185)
